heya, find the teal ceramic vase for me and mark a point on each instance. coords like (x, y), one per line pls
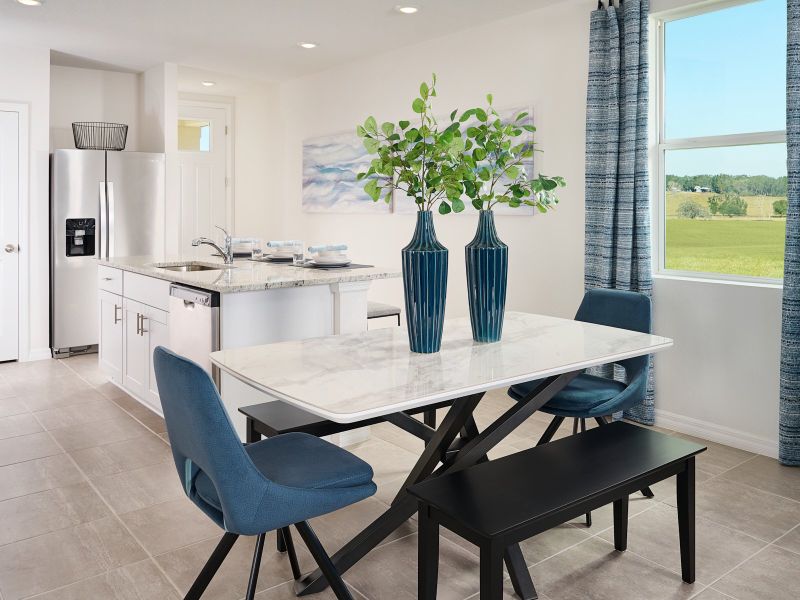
(487, 280)
(425, 286)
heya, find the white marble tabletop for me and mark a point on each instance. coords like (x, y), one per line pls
(348, 378)
(245, 275)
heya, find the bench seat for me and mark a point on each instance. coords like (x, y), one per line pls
(498, 503)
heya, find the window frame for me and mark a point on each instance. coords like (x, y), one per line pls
(662, 145)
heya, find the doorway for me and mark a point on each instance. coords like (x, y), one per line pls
(204, 167)
(9, 234)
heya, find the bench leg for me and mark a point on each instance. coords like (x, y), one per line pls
(428, 552)
(621, 524)
(515, 563)
(491, 572)
(686, 520)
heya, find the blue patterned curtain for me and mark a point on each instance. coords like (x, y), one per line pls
(617, 190)
(789, 426)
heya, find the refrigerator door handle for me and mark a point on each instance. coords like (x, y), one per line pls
(102, 214)
(110, 220)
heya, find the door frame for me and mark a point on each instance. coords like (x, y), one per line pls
(228, 107)
(23, 285)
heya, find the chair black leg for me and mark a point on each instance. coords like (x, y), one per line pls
(686, 521)
(251, 585)
(212, 566)
(550, 431)
(621, 524)
(575, 425)
(323, 560)
(287, 539)
(280, 541)
(428, 555)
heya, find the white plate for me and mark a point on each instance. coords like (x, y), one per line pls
(331, 260)
(331, 263)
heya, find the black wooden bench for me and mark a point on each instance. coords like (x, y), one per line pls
(502, 502)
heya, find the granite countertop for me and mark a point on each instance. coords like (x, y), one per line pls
(244, 275)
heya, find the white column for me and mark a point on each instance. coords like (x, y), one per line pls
(349, 306)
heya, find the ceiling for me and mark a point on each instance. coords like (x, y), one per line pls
(255, 39)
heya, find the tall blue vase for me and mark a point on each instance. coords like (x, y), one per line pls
(487, 280)
(425, 285)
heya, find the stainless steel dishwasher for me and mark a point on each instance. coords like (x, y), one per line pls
(194, 325)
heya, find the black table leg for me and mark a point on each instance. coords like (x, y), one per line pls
(518, 573)
(621, 524)
(428, 553)
(491, 572)
(686, 520)
(404, 506)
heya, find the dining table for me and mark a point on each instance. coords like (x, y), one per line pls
(373, 374)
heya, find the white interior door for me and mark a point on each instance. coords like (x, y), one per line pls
(202, 168)
(9, 235)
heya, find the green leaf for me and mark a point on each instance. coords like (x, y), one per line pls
(477, 204)
(481, 114)
(388, 129)
(423, 90)
(360, 131)
(371, 188)
(403, 124)
(521, 116)
(444, 208)
(479, 154)
(484, 174)
(548, 184)
(466, 115)
(371, 125)
(489, 98)
(371, 144)
(458, 205)
(418, 106)
(453, 115)
(512, 172)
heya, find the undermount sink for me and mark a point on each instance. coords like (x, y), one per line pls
(193, 266)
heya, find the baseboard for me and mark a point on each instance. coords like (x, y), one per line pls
(717, 433)
(37, 354)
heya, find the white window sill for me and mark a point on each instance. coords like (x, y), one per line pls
(775, 284)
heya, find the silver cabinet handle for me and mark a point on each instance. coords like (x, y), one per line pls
(143, 330)
(116, 318)
(10, 248)
(138, 324)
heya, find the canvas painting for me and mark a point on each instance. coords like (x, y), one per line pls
(405, 205)
(330, 166)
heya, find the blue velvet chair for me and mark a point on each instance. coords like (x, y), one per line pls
(589, 396)
(257, 488)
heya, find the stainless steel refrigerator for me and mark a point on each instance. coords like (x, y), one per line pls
(85, 226)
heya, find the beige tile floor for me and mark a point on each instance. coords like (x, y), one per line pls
(91, 507)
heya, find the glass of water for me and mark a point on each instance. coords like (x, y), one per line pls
(256, 252)
(298, 257)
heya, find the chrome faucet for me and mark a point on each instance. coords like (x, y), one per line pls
(226, 253)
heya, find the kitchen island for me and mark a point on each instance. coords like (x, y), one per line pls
(219, 307)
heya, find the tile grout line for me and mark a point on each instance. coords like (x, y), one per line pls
(121, 522)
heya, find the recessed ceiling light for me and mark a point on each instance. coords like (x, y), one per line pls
(406, 10)
(30, 2)
(208, 83)
(307, 45)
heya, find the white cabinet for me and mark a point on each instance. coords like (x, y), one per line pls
(145, 328)
(111, 328)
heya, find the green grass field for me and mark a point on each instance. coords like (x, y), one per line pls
(733, 246)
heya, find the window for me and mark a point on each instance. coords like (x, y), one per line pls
(193, 135)
(722, 141)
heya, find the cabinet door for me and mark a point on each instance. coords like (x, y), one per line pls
(135, 365)
(111, 326)
(156, 332)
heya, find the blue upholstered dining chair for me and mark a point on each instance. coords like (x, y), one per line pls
(589, 396)
(257, 488)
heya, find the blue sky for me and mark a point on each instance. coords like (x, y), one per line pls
(726, 73)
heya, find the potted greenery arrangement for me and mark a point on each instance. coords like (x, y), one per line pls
(495, 154)
(424, 160)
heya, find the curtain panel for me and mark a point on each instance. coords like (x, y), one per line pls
(618, 251)
(789, 413)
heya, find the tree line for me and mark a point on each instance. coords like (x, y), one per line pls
(743, 185)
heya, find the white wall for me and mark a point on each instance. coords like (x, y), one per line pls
(26, 79)
(540, 59)
(92, 95)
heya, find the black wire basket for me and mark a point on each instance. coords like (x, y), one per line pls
(91, 135)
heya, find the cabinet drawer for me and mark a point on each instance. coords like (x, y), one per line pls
(148, 290)
(109, 279)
